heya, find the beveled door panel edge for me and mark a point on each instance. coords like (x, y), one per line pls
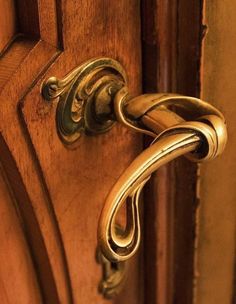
(29, 222)
(27, 37)
(36, 61)
(60, 252)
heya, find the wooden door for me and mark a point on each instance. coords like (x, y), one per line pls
(52, 194)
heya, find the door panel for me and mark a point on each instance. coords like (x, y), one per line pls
(65, 187)
(52, 194)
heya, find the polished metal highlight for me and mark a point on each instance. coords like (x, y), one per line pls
(199, 132)
(195, 137)
(114, 274)
(94, 96)
(84, 96)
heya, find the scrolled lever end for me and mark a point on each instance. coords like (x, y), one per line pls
(128, 188)
(218, 125)
(119, 246)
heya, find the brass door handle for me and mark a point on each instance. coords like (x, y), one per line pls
(202, 138)
(95, 95)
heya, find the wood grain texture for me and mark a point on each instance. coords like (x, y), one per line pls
(16, 263)
(171, 44)
(28, 12)
(33, 235)
(40, 224)
(8, 22)
(215, 252)
(190, 34)
(62, 190)
(79, 179)
(159, 71)
(13, 57)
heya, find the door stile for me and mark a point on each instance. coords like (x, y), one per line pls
(171, 37)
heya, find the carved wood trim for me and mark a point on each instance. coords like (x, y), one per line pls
(25, 59)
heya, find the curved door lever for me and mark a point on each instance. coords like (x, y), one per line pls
(200, 140)
(95, 95)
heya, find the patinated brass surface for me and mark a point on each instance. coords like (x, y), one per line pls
(114, 274)
(199, 133)
(88, 88)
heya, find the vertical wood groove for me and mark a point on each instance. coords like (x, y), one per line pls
(171, 63)
(31, 228)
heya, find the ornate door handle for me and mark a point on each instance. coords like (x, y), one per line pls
(95, 95)
(200, 139)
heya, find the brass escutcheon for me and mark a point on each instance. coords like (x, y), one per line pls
(84, 97)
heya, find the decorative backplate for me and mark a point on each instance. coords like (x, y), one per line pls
(79, 93)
